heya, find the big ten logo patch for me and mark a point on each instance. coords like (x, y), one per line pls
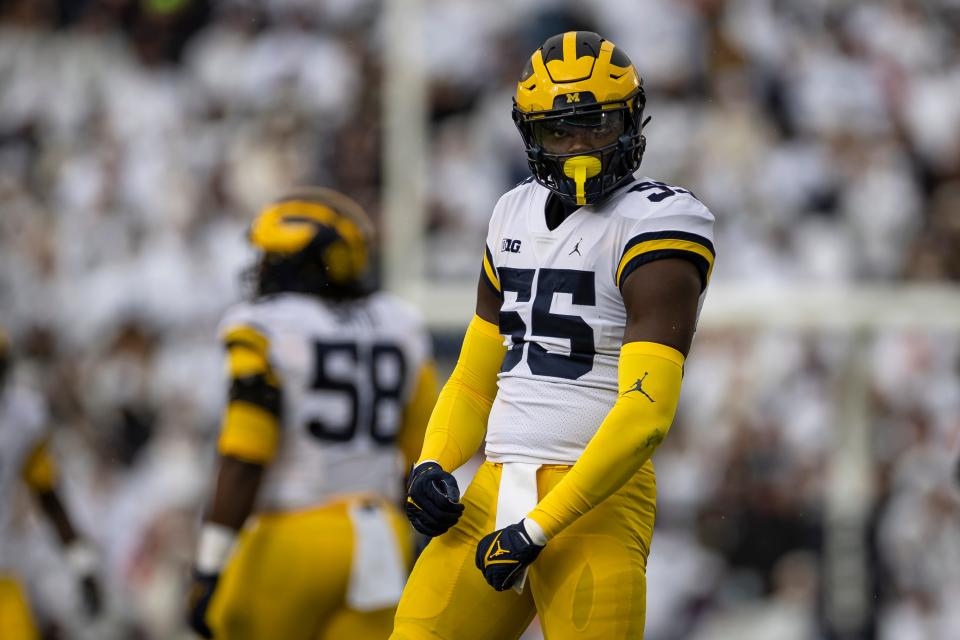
(513, 246)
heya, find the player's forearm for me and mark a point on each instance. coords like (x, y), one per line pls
(457, 426)
(53, 508)
(237, 485)
(40, 474)
(650, 376)
(81, 556)
(459, 420)
(234, 496)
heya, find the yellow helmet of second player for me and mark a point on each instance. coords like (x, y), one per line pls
(578, 82)
(314, 240)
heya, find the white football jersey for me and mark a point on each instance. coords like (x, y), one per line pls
(23, 420)
(562, 314)
(346, 373)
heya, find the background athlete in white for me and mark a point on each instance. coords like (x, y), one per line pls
(26, 460)
(331, 384)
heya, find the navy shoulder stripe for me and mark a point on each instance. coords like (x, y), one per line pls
(669, 235)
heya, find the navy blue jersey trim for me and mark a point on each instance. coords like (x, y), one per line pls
(703, 267)
(668, 235)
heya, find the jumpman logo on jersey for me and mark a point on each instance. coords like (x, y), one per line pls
(576, 248)
(638, 386)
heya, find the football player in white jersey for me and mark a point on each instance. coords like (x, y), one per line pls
(589, 294)
(25, 456)
(331, 385)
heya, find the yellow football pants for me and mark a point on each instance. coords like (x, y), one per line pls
(589, 581)
(16, 623)
(288, 579)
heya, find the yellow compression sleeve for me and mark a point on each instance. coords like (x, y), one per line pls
(40, 471)
(459, 421)
(251, 421)
(249, 433)
(416, 414)
(649, 383)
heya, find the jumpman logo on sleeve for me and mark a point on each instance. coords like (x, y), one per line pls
(638, 386)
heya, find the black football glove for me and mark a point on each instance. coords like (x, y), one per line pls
(433, 499)
(84, 560)
(91, 595)
(201, 591)
(503, 555)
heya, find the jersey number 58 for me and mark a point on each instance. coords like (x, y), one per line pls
(371, 385)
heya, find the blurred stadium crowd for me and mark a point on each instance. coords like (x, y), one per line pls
(139, 137)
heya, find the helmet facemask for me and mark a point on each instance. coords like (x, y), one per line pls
(618, 158)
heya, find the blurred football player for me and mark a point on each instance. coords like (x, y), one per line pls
(331, 387)
(588, 299)
(25, 455)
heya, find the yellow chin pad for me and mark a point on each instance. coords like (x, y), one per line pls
(580, 168)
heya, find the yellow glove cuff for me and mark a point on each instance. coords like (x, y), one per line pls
(40, 471)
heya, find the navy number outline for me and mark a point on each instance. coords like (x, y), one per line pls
(661, 190)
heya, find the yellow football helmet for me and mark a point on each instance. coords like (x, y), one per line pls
(577, 82)
(314, 240)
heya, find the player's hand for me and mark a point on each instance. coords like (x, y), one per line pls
(91, 593)
(433, 499)
(198, 601)
(84, 561)
(504, 554)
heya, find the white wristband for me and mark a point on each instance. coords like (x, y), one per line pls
(82, 557)
(535, 531)
(214, 546)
